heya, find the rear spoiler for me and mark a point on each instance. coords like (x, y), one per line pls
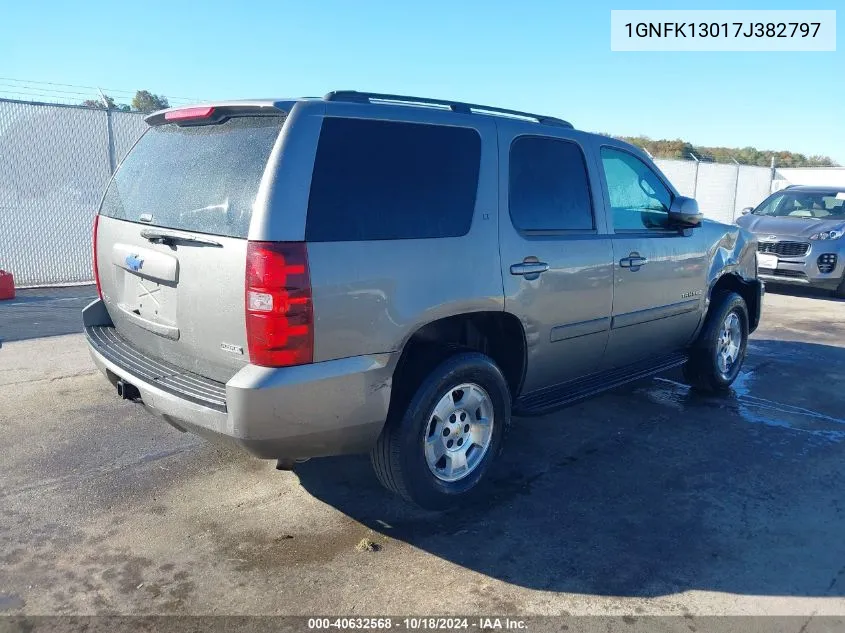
(214, 112)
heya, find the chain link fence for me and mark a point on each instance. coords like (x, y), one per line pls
(127, 128)
(722, 191)
(55, 161)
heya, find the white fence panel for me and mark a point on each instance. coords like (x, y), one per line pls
(755, 184)
(128, 128)
(54, 168)
(680, 173)
(56, 160)
(716, 191)
(822, 176)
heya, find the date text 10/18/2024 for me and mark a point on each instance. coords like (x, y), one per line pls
(418, 624)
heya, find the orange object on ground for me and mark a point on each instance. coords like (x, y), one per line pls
(7, 285)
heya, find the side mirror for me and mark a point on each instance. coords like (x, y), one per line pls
(684, 213)
(747, 210)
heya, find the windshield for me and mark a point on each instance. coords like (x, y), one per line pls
(819, 205)
(201, 178)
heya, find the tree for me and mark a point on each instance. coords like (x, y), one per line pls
(145, 101)
(679, 149)
(98, 103)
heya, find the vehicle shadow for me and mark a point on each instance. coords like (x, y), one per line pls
(800, 291)
(649, 490)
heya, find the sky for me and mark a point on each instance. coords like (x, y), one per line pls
(551, 57)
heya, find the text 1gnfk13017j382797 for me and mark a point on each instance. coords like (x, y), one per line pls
(723, 29)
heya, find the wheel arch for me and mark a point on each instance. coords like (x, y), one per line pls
(751, 290)
(498, 334)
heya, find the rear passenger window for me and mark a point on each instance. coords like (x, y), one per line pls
(549, 190)
(383, 180)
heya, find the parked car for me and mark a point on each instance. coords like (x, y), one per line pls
(401, 276)
(799, 231)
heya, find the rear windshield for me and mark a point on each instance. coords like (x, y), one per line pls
(199, 178)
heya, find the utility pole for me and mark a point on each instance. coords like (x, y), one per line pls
(109, 132)
(103, 99)
(695, 183)
(772, 175)
(736, 188)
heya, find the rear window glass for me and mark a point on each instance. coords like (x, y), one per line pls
(199, 178)
(382, 180)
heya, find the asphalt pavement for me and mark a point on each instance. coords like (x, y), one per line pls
(645, 500)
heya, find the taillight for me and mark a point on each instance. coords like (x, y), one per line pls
(96, 267)
(279, 312)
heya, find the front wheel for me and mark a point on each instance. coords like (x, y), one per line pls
(717, 356)
(437, 450)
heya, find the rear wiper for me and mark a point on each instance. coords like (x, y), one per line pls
(166, 237)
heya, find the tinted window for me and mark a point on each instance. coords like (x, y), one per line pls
(548, 186)
(638, 198)
(200, 178)
(381, 180)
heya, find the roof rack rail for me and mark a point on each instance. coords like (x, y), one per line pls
(354, 96)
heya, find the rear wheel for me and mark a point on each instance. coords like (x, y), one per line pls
(436, 450)
(717, 356)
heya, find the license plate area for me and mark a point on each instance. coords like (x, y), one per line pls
(149, 299)
(766, 260)
(148, 288)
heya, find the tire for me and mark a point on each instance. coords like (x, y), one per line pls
(704, 370)
(415, 435)
(839, 293)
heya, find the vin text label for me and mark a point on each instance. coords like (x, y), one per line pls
(722, 30)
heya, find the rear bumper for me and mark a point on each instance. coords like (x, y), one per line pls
(328, 408)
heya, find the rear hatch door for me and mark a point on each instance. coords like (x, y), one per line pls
(171, 243)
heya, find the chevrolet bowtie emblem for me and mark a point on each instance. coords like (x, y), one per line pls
(133, 262)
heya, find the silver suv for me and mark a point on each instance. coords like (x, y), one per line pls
(800, 231)
(397, 275)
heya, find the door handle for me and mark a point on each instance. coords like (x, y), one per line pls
(633, 262)
(529, 268)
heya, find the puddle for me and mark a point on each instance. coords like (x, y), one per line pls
(773, 413)
(10, 601)
(749, 407)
